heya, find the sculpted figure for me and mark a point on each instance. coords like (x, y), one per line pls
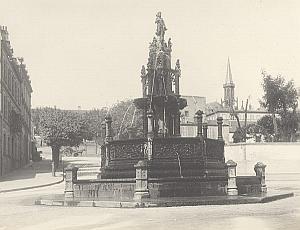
(161, 27)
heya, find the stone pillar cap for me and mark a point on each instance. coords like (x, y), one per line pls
(108, 117)
(199, 113)
(220, 119)
(142, 163)
(150, 111)
(260, 165)
(231, 163)
(71, 167)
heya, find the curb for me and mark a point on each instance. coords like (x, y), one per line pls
(149, 204)
(32, 187)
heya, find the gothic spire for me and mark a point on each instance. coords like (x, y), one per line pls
(228, 79)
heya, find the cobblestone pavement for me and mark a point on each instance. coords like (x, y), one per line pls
(17, 211)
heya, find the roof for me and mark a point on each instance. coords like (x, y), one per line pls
(213, 107)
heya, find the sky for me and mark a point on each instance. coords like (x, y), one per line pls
(89, 53)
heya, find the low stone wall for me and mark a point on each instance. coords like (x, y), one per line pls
(104, 189)
(187, 187)
(279, 157)
(142, 187)
(248, 184)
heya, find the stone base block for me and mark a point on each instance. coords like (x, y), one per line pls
(263, 189)
(232, 191)
(69, 195)
(139, 195)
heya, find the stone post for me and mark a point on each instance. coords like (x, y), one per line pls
(150, 134)
(108, 129)
(141, 181)
(260, 171)
(70, 178)
(231, 186)
(199, 117)
(220, 132)
(205, 127)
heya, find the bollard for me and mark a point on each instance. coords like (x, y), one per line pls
(199, 117)
(70, 178)
(231, 186)
(260, 171)
(220, 132)
(141, 181)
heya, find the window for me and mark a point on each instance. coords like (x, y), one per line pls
(186, 113)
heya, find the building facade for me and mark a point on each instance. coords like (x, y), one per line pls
(15, 115)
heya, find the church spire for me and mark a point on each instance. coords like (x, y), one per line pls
(229, 99)
(228, 79)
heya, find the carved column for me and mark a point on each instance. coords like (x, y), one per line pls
(144, 81)
(108, 138)
(70, 178)
(220, 132)
(205, 127)
(231, 186)
(108, 130)
(199, 117)
(177, 76)
(260, 171)
(177, 124)
(150, 134)
(103, 130)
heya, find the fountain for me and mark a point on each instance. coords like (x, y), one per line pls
(162, 164)
(190, 165)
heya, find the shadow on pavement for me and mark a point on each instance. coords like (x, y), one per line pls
(30, 171)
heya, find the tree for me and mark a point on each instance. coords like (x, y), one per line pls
(94, 120)
(239, 135)
(61, 128)
(280, 97)
(251, 131)
(266, 122)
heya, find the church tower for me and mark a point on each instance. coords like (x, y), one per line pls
(229, 100)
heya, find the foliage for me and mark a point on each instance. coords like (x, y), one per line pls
(251, 131)
(124, 115)
(239, 135)
(280, 97)
(61, 127)
(94, 120)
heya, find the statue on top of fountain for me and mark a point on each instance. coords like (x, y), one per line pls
(161, 27)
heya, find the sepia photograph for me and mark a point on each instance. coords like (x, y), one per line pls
(159, 114)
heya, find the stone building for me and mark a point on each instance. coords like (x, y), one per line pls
(188, 126)
(15, 115)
